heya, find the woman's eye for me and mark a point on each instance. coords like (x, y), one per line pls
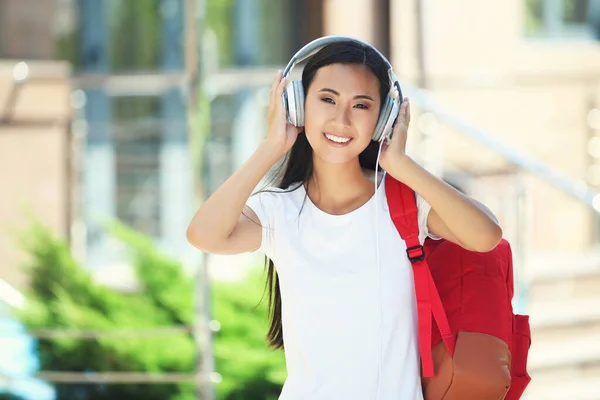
(328, 100)
(362, 106)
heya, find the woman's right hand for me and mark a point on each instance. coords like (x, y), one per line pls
(281, 135)
(224, 224)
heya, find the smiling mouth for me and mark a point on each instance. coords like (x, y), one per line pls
(337, 139)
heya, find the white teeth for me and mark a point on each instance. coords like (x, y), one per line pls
(337, 139)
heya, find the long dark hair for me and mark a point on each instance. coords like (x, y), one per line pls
(297, 167)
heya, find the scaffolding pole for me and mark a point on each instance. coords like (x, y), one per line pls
(195, 25)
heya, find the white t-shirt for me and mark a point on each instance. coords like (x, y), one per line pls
(349, 328)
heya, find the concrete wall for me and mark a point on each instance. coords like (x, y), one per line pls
(26, 29)
(34, 156)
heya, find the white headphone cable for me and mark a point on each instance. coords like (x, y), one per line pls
(379, 353)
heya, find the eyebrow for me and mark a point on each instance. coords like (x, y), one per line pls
(360, 96)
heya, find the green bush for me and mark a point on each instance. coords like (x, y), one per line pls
(63, 295)
(250, 370)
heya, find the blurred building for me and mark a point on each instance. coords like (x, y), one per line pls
(35, 115)
(96, 92)
(36, 175)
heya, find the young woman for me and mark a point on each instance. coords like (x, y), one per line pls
(342, 294)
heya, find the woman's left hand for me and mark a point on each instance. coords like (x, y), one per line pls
(396, 148)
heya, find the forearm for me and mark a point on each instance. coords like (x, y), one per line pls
(469, 222)
(219, 214)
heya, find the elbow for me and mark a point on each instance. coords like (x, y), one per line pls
(192, 237)
(488, 241)
(205, 240)
(197, 239)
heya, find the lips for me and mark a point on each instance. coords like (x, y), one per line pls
(337, 140)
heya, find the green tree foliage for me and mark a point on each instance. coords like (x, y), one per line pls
(63, 295)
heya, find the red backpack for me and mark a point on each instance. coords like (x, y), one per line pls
(478, 348)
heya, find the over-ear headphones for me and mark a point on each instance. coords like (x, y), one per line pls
(294, 93)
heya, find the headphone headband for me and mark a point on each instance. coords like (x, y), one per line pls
(317, 44)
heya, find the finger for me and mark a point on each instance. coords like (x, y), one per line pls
(402, 114)
(276, 107)
(401, 121)
(282, 85)
(279, 92)
(276, 80)
(274, 85)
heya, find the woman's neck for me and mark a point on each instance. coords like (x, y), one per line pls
(339, 188)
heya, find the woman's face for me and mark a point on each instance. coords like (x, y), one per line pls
(341, 111)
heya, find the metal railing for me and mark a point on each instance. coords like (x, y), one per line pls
(577, 189)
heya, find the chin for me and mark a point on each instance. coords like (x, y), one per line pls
(329, 159)
(337, 156)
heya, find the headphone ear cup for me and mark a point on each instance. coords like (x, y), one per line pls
(289, 102)
(388, 114)
(294, 103)
(299, 96)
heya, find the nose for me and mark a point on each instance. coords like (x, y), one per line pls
(342, 117)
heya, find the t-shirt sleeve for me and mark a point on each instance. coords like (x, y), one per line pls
(424, 209)
(264, 205)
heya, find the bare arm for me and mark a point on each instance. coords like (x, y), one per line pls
(453, 216)
(223, 224)
(219, 225)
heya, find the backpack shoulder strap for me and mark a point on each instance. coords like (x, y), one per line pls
(404, 212)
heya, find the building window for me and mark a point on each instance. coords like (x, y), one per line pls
(146, 35)
(260, 32)
(120, 36)
(137, 137)
(135, 35)
(562, 19)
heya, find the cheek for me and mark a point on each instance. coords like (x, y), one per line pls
(314, 117)
(367, 125)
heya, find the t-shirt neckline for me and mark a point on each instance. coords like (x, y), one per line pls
(350, 214)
